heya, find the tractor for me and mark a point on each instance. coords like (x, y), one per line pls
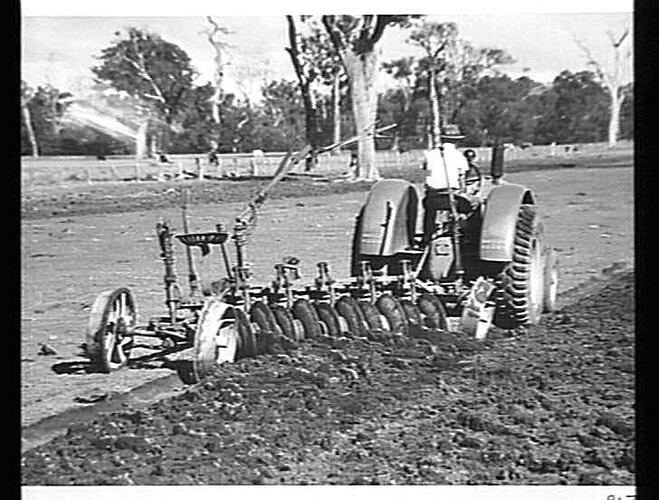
(485, 256)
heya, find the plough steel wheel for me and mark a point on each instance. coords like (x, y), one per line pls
(113, 315)
(285, 321)
(330, 317)
(550, 286)
(306, 314)
(433, 310)
(412, 312)
(360, 314)
(373, 317)
(247, 346)
(216, 338)
(393, 311)
(347, 307)
(261, 314)
(519, 300)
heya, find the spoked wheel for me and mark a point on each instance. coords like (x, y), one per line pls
(247, 345)
(329, 317)
(262, 315)
(347, 308)
(373, 316)
(285, 321)
(216, 338)
(393, 311)
(306, 314)
(433, 310)
(520, 295)
(412, 312)
(550, 284)
(113, 316)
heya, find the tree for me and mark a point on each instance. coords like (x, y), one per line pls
(448, 64)
(614, 78)
(198, 127)
(355, 39)
(214, 34)
(42, 111)
(627, 114)
(27, 94)
(149, 68)
(436, 40)
(574, 109)
(307, 72)
(284, 112)
(402, 70)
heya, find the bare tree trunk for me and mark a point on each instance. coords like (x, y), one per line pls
(613, 79)
(434, 107)
(141, 141)
(27, 117)
(362, 74)
(614, 119)
(218, 74)
(336, 110)
(304, 82)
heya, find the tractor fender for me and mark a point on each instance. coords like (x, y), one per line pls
(500, 219)
(387, 220)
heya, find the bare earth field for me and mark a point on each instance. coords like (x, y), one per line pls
(67, 260)
(550, 407)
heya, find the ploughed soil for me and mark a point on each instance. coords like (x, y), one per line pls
(79, 198)
(552, 405)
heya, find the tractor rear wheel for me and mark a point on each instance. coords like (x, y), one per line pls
(329, 317)
(306, 314)
(519, 297)
(433, 309)
(393, 311)
(347, 307)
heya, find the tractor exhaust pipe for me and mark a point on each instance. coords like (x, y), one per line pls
(496, 166)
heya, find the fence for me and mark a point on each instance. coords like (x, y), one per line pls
(67, 169)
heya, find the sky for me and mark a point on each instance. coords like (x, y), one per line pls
(60, 40)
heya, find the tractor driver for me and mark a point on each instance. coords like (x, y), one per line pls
(438, 185)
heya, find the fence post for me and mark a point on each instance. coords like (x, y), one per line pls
(179, 175)
(200, 171)
(88, 170)
(220, 173)
(137, 171)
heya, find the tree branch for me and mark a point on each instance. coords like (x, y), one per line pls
(591, 60)
(380, 24)
(145, 74)
(334, 33)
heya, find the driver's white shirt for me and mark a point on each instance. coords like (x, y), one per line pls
(456, 165)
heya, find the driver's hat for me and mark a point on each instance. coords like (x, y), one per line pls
(451, 131)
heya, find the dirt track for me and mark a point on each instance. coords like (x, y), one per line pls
(553, 406)
(66, 262)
